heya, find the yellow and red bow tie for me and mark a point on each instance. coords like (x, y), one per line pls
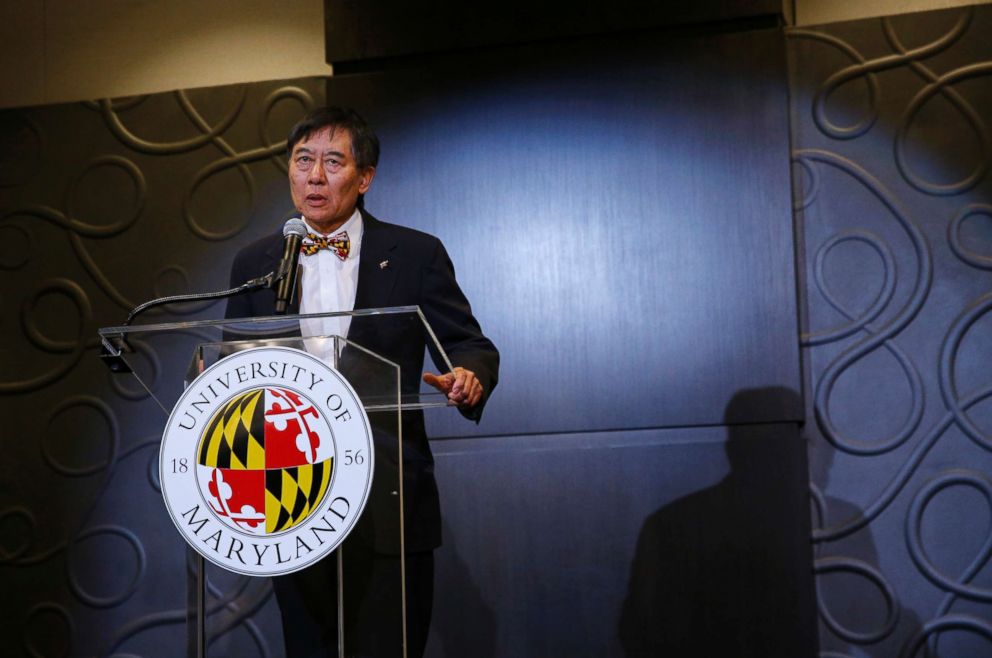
(338, 243)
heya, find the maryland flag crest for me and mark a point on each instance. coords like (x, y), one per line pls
(265, 460)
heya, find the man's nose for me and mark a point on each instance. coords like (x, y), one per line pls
(317, 174)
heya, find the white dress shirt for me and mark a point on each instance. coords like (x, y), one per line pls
(328, 284)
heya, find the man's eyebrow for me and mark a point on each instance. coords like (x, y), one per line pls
(309, 151)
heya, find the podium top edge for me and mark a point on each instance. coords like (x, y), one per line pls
(275, 320)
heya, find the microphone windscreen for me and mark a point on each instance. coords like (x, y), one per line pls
(294, 226)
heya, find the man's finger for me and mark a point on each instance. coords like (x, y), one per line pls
(440, 382)
(459, 385)
(471, 393)
(474, 394)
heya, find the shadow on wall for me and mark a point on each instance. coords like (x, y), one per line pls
(726, 571)
(848, 584)
(468, 629)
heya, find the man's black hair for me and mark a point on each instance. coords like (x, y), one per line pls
(364, 143)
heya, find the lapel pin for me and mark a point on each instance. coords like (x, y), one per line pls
(384, 264)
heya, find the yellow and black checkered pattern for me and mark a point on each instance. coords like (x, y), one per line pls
(339, 244)
(235, 436)
(290, 494)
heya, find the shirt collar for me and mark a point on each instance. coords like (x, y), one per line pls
(353, 224)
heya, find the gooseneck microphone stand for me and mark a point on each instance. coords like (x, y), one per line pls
(116, 363)
(267, 281)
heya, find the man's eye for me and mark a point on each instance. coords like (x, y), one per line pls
(303, 159)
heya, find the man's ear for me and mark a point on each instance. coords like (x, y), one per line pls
(366, 180)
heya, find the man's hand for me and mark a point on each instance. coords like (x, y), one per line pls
(460, 384)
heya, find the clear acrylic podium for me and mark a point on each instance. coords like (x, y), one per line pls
(163, 359)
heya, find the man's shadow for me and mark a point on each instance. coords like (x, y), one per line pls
(727, 570)
(851, 608)
(465, 628)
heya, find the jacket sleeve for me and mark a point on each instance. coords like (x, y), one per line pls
(450, 316)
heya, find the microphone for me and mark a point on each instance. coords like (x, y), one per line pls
(294, 230)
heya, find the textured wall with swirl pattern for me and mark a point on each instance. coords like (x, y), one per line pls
(892, 151)
(103, 205)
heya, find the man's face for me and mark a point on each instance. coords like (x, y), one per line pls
(325, 180)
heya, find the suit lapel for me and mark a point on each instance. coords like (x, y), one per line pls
(376, 272)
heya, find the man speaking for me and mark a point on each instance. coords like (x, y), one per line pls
(350, 260)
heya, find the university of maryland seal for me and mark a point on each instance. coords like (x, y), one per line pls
(266, 461)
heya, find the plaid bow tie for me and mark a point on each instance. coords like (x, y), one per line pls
(337, 243)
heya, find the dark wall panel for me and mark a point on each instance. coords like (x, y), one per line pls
(671, 542)
(891, 131)
(617, 211)
(363, 30)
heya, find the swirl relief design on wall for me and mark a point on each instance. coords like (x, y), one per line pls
(104, 205)
(892, 154)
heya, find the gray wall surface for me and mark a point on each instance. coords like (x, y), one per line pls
(618, 212)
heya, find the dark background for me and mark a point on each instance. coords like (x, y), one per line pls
(616, 193)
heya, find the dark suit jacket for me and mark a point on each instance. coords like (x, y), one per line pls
(418, 272)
